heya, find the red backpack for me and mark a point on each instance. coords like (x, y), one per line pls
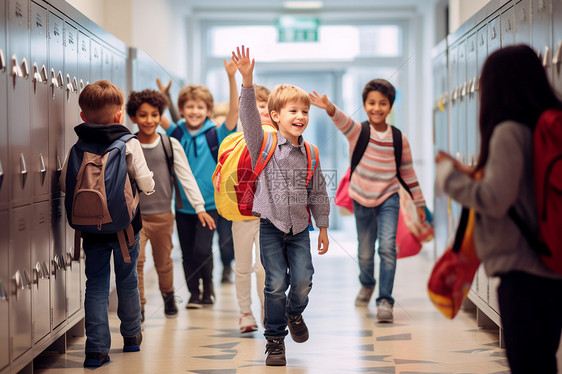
(547, 156)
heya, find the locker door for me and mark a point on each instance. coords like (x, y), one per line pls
(523, 22)
(96, 61)
(57, 150)
(58, 262)
(18, 102)
(84, 73)
(454, 91)
(39, 94)
(557, 45)
(4, 290)
(72, 118)
(20, 282)
(494, 33)
(471, 99)
(4, 69)
(462, 102)
(541, 33)
(40, 222)
(107, 66)
(119, 76)
(508, 27)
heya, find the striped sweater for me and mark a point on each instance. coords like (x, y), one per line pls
(374, 179)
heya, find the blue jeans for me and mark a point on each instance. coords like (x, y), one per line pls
(226, 245)
(372, 223)
(98, 255)
(287, 262)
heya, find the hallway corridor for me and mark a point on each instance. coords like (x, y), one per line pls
(343, 338)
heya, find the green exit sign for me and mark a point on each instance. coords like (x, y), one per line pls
(297, 29)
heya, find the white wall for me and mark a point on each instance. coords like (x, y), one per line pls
(462, 10)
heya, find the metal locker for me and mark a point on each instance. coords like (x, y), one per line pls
(557, 46)
(4, 68)
(39, 97)
(96, 62)
(57, 149)
(84, 51)
(462, 102)
(507, 20)
(58, 262)
(107, 64)
(18, 61)
(4, 291)
(481, 55)
(20, 281)
(523, 22)
(73, 275)
(541, 34)
(119, 75)
(40, 223)
(471, 99)
(494, 34)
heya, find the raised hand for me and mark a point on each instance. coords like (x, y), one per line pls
(243, 63)
(322, 102)
(162, 88)
(230, 67)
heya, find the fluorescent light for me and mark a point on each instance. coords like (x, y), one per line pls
(303, 4)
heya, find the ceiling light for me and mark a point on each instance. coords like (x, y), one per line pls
(303, 4)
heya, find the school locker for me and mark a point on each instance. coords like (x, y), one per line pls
(5, 297)
(119, 72)
(20, 281)
(462, 95)
(96, 62)
(40, 288)
(4, 182)
(541, 32)
(57, 239)
(557, 46)
(39, 101)
(18, 102)
(507, 21)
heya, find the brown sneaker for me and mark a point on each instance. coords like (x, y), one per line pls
(297, 328)
(275, 350)
(364, 296)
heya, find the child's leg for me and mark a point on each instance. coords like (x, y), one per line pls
(96, 302)
(187, 228)
(387, 221)
(300, 272)
(274, 260)
(161, 230)
(203, 255)
(366, 224)
(144, 236)
(258, 267)
(243, 239)
(126, 283)
(226, 245)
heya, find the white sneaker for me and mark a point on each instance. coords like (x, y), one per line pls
(384, 311)
(247, 323)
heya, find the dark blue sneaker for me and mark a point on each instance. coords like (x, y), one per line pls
(132, 344)
(95, 359)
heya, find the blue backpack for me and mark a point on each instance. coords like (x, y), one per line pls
(101, 198)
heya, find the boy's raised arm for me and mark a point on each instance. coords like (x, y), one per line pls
(322, 102)
(245, 66)
(166, 92)
(232, 115)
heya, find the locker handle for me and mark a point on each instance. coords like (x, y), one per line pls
(23, 169)
(523, 17)
(24, 68)
(2, 61)
(16, 70)
(27, 281)
(59, 165)
(74, 85)
(59, 80)
(43, 169)
(62, 262)
(546, 57)
(463, 90)
(36, 75)
(508, 26)
(81, 85)
(44, 74)
(69, 260)
(542, 5)
(68, 84)
(54, 81)
(45, 270)
(3, 295)
(38, 273)
(1, 174)
(55, 265)
(558, 55)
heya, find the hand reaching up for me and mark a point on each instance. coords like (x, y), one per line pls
(162, 88)
(322, 102)
(230, 67)
(245, 65)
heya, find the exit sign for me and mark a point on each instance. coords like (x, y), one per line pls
(297, 29)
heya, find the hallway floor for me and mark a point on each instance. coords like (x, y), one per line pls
(343, 338)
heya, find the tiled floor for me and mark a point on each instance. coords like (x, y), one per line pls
(343, 338)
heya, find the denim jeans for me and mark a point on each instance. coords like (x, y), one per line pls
(98, 255)
(226, 244)
(287, 262)
(372, 223)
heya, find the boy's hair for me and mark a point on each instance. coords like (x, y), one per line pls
(197, 93)
(283, 94)
(99, 101)
(152, 97)
(262, 93)
(381, 85)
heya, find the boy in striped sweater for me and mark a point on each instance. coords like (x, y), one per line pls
(374, 187)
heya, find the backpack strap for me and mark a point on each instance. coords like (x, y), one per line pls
(531, 238)
(169, 153)
(361, 146)
(397, 143)
(213, 142)
(312, 162)
(177, 133)
(267, 149)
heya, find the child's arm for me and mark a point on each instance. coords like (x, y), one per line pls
(137, 167)
(249, 114)
(166, 92)
(189, 184)
(232, 115)
(319, 204)
(322, 102)
(323, 242)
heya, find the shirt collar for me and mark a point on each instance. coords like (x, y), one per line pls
(282, 140)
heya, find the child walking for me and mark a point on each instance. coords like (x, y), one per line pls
(200, 139)
(514, 92)
(101, 105)
(374, 187)
(145, 109)
(282, 200)
(246, 238)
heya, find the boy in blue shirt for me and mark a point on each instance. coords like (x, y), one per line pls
(199, 136)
